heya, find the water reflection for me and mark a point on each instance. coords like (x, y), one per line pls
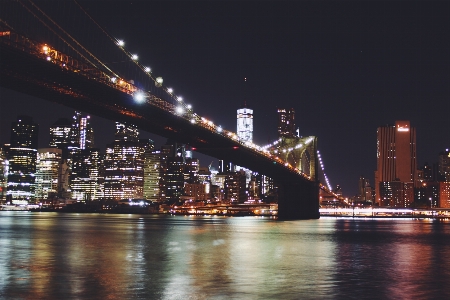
(80, 256)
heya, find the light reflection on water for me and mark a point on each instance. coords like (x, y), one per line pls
(81, 256)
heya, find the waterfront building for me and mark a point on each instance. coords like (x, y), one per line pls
(84, 183)
(444, 194)
(444, 165)
(286, 122)
(124, 164)
(235, 187)
(174, 179)
(47, 173)
(396, 164)
(152, 177)
(197, 191)
(4, 166)
(22, 156)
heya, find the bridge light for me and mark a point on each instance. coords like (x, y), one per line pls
(120, 43)
(179, 110)
(147, 69)
(49, 58)
(189, 106)
(159, 81)
(235, 147)
(193, 121)
(113, 79)
(139, 97)
(179, 99)
(45, 48)
(219, 128)
(170, 90)
(134, 57)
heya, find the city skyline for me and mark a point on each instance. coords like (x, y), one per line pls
(358, 67)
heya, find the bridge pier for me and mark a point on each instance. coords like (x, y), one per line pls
(298, 200)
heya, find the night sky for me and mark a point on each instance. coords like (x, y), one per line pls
(345, 67)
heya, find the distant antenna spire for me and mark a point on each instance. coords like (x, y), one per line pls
(245, 92)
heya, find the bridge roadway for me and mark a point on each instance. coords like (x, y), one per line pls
(298, 197)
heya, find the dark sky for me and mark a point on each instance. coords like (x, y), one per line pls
(345, 67)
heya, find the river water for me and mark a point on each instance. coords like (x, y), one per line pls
(101, 256)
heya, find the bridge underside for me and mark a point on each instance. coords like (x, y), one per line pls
(298, 197)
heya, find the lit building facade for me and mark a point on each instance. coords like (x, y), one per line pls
(444, 165)
(396, 164)
(124, 164)
(47, 173)
(152, 166)
(444, 194)
(4, 167)
(245, 124)
(84, 183)
(60, 134)
(82, 134)
(235, 187)
(22, 156)
(286, 122)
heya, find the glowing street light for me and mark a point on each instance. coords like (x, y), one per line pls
(120, 43)
(147, 69)
(134, 57)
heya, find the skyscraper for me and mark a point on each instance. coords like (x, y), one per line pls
(396, 172)
(82, 134)
(22, 155)
(245, 124)
(124, 164)
(286, 122)
(60, 133)
(47, 169)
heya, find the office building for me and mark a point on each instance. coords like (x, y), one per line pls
(124, 164)
(22, 155)
(245, 124)
(152, 177)
(81, 134)
(286, 122)
(47, 173)
(84, 183)
(396, 172)
(444, 165)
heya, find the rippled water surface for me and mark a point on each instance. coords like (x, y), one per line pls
(92, 256)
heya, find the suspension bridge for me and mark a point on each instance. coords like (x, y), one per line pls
(41, 58)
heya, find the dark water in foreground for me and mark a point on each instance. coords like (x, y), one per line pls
(91, 256)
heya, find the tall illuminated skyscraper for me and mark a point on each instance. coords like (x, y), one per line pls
(245, 124)
(22, 155)
(286, 122)
(396, 172)
(47, 171)
(82, 134)
(60, 133)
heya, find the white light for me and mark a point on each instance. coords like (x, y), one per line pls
(147, 69)
(49, 58)
(189, 106)
(193, 121)
(113, 79)
(170, 90)
(219, 129)
(134, 57)
(139, 96)
(179, 99)
(179, 110)
(120, 43)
